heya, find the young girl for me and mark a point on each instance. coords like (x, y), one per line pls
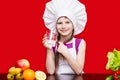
(68, 55)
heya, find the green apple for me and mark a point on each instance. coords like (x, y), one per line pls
(10, 76)
(19, 76)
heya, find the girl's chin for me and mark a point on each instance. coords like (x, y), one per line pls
(64, 34)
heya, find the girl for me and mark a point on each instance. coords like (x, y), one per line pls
(68, 55)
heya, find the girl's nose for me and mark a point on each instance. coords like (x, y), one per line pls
(63, 26)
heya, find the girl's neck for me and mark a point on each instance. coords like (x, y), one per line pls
(65, 38)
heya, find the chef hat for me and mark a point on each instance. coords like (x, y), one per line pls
(72, 9)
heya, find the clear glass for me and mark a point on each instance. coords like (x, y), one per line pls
(52, 38)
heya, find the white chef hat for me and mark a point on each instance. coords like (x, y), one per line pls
(72, 9)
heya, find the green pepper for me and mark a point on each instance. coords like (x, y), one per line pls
(110, 77)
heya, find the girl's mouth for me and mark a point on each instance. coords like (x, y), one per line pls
(64, 30)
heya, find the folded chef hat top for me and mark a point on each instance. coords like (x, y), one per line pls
(73, 9)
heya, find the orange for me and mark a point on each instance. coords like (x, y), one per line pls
(40, 75)
(29, 74)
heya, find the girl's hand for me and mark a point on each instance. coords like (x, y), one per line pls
(62, 49)
(46, 43)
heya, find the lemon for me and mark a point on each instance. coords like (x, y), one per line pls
(40, 75)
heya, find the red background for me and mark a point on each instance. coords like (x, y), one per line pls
(22, 29)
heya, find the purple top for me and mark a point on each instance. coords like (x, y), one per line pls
(77, 42)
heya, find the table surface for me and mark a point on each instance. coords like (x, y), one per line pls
(70, 77)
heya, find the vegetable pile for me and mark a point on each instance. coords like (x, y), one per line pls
(113, 64)
(113, 60)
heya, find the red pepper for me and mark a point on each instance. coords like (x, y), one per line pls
(118, 72)
(116, 75)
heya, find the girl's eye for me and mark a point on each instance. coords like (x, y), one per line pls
(67, 22)
(59, 22)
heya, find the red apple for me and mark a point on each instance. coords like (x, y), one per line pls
(23, 64)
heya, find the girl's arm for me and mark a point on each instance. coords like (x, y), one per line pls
(50, 61)
(50, 58)
(78, 64)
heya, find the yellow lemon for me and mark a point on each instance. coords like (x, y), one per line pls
(40, 75)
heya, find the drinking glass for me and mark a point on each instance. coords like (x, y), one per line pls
(52, 38)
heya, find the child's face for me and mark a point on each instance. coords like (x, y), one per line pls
(64, 26)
